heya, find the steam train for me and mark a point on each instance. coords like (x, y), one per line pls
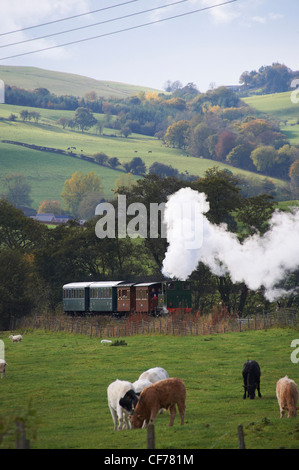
(120, 297)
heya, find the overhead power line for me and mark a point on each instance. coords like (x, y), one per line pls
(93, 24)
(130, 28)
(68, 18)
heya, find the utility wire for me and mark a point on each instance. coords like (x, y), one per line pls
(93, 24)
(119, 30)
(68, 18)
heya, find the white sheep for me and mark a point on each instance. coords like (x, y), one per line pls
(3, 365)
(16, 338)
(115, 391)
(154, 374)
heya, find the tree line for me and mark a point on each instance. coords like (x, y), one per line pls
(35, 261)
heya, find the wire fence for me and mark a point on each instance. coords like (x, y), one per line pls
(176, 325)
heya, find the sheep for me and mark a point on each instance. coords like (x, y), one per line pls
(251, 377)
(3, 365)
(115, 391)
(130, 399)
(287, 396)
(166, 393)
(16, 338)
(154, 374)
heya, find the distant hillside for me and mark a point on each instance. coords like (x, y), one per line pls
(281, 107)
(61, 83)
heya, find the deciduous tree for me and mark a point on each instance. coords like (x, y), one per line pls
(76, 187)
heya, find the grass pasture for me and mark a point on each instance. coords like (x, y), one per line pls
(281, 107)
(65, 377)
(47, 172)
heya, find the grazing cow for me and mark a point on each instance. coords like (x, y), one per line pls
(140, 384)
(251, 377)
(167, 394)
(154, 374)
(115, 391)
(287, 396)
(130, 399)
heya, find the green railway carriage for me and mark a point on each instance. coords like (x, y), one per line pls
(90, 297)
(76, 297)
(103, 296)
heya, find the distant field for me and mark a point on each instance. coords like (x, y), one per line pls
(47, 172)
(65, 378)
(280, 106)
(61, 83)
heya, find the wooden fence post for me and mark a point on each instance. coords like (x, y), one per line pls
(21, 441)
(241, 437)
(151, 436)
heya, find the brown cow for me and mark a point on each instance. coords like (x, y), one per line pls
(287, 397)
(166, 394)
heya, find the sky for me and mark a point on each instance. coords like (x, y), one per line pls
(208, 48)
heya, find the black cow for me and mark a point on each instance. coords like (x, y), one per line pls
(129, 400)
(251, 376)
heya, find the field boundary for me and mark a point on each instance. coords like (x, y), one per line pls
(105, 327)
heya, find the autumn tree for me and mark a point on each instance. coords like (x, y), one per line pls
(264, 157)
(77, 187)
(225, 143)
(177, 134)
(125, 180)
(48, 206)
(294, 176)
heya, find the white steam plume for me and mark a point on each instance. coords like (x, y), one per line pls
(258, 261)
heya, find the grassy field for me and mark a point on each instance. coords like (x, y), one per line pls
(61, 83)
(47, 172)
(65, 377)
(280, 106)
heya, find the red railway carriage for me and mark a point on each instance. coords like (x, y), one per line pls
(126, 297)
(147, 296)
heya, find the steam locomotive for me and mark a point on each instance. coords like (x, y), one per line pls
(120, 297)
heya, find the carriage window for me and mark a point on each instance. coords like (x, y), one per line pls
(141, 294)
(186, 286)
(122, 294)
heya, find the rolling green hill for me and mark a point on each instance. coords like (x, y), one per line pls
(61, 83)
(47, 171)
(280, 106)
